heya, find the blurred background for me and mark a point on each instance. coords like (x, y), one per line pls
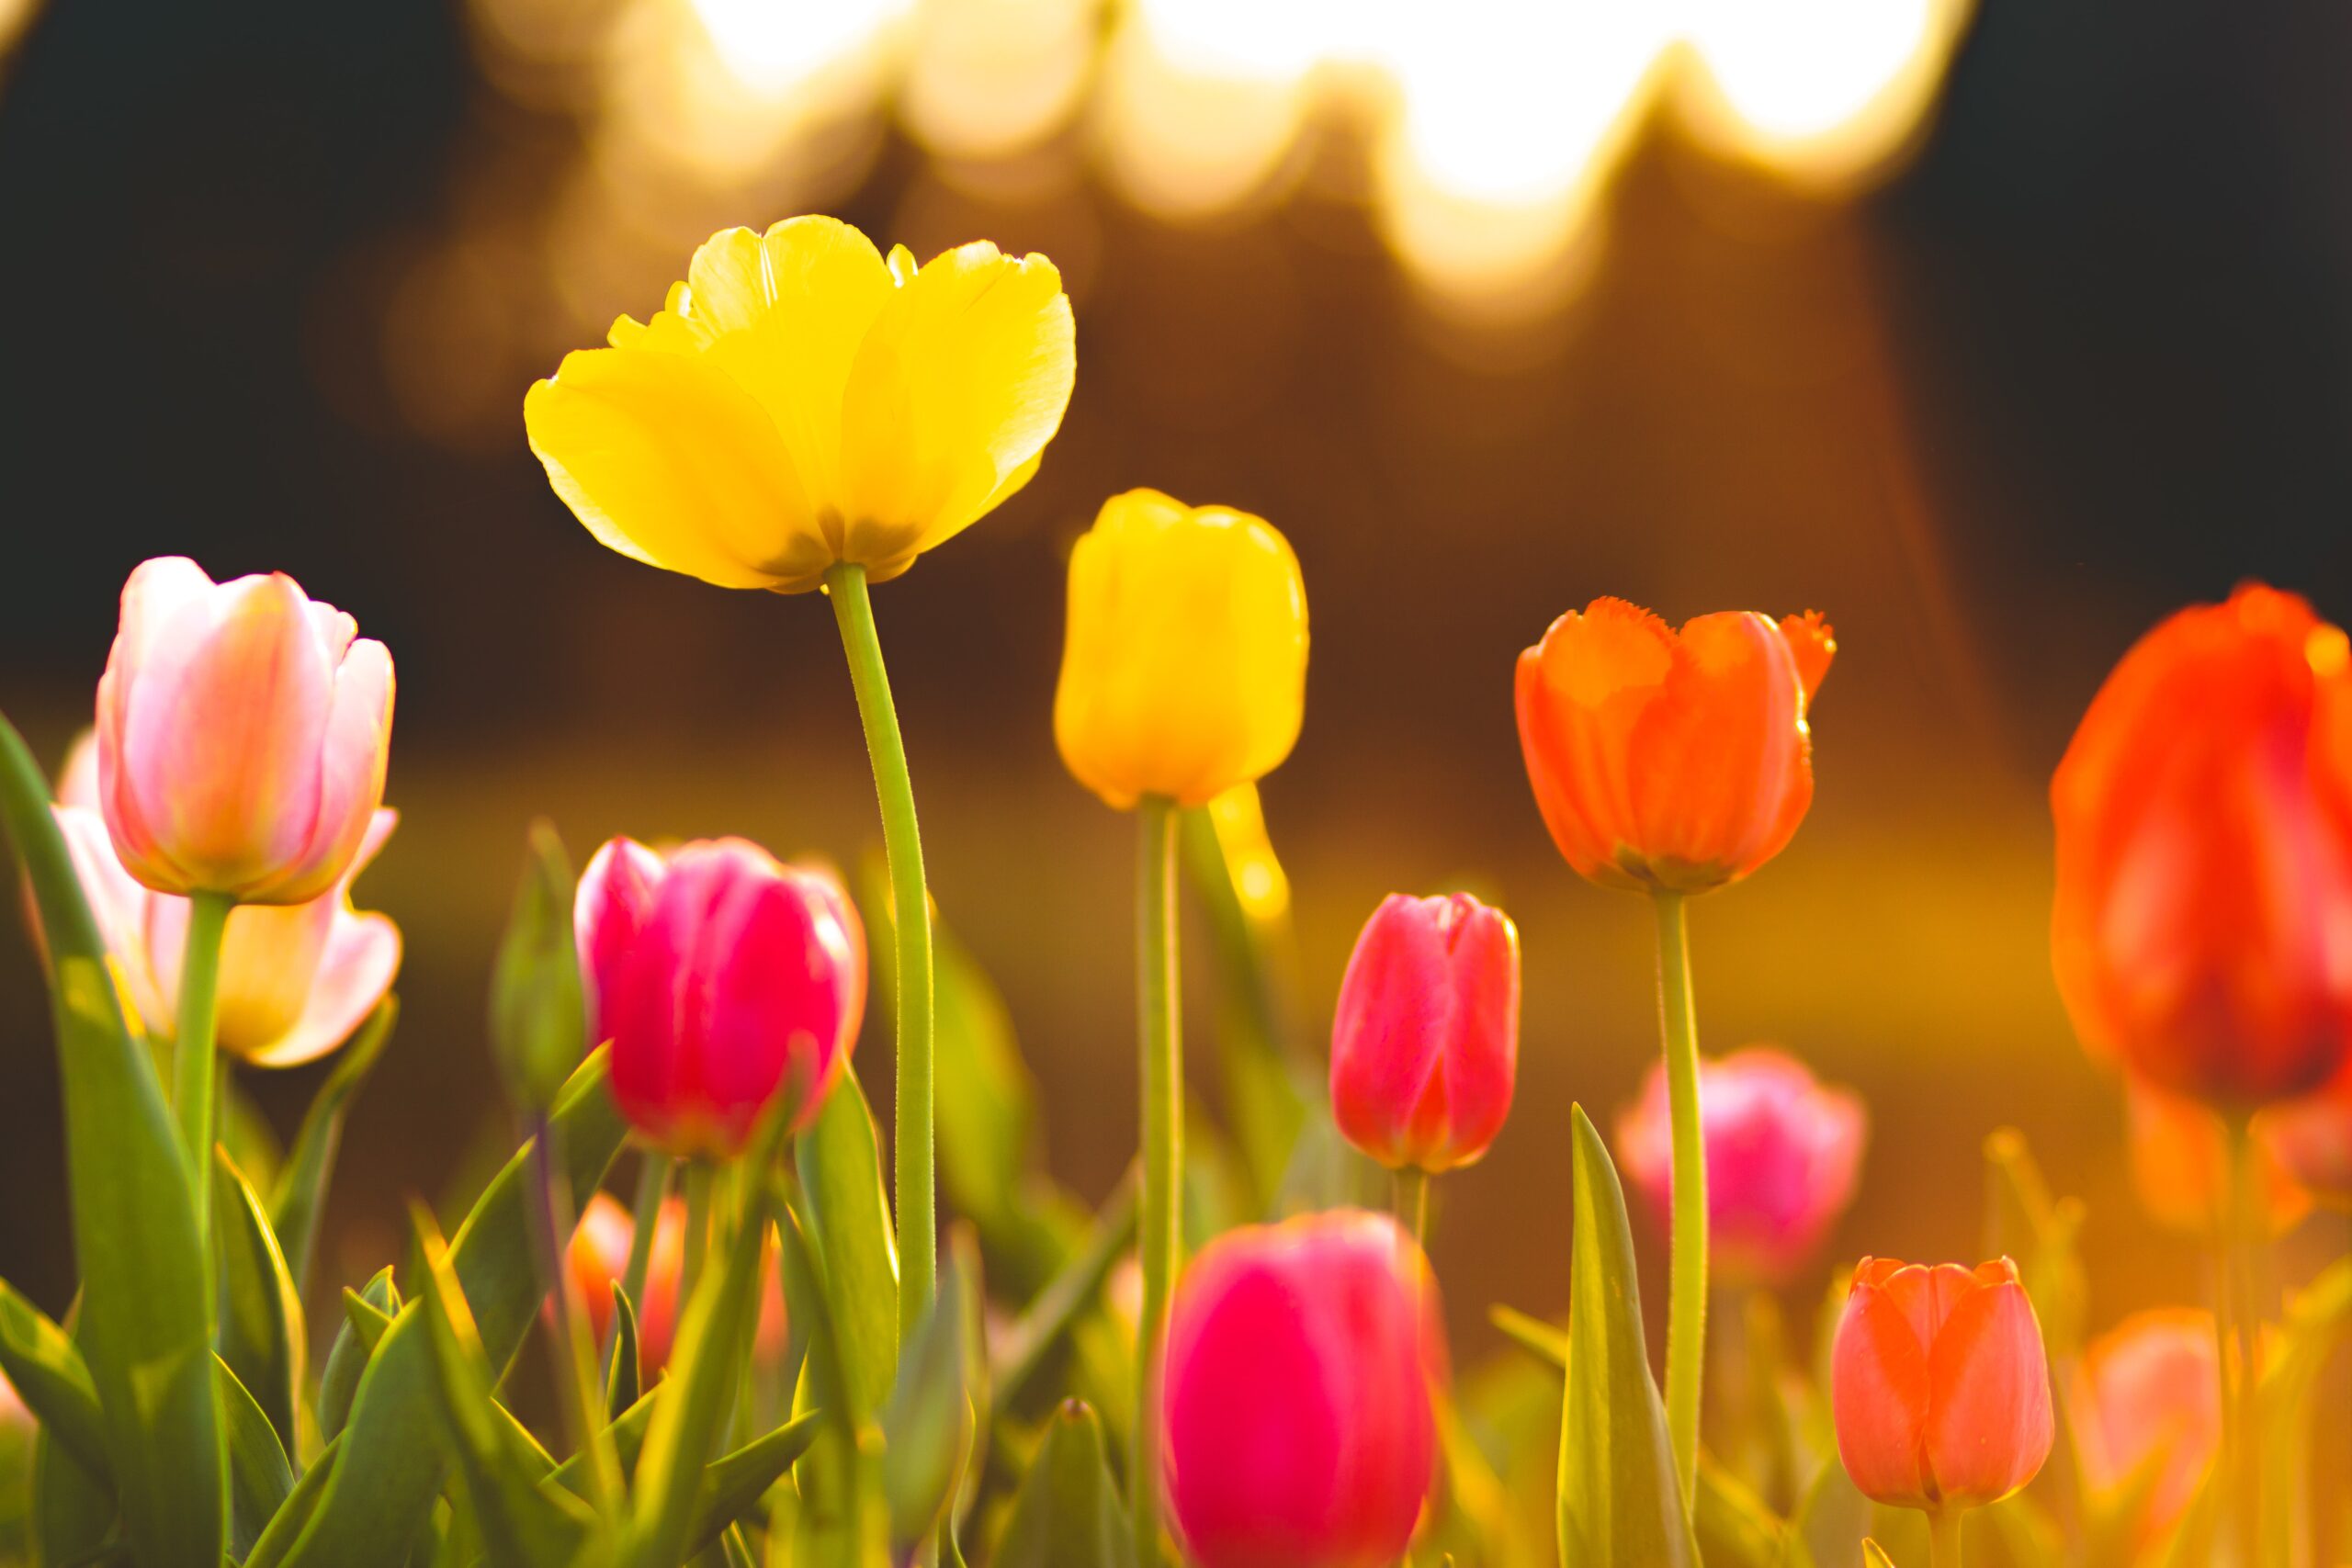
(1993, 333)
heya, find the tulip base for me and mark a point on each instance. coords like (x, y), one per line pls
(915, 1201)
(193, 1071)
(1943, 1538)
(1160, 1037)
(1686, 1324)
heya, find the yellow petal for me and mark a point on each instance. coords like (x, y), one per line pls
(961, 381)
(668, 461)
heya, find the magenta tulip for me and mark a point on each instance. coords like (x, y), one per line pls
(1425, 1044)
(1783, 1153)
(725, 981)
(242, 729)
(1296, 1424)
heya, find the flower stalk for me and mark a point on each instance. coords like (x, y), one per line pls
(915, 1199)
(1160, 1036)
(1686, 1330)
(193, 1070)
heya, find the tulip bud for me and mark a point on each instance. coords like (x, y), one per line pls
(598, 1259)
(2181, 1162)
(2148, 1394)
(242, 736)
(536, 1014)
(2202, 928)
(1664, 761)
(1940, 1384)
(1782, 1155)
(1426, 1040)
(1184, 667)
(1296, 1414)
(724, 980)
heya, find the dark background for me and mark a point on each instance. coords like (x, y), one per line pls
(2087, 357)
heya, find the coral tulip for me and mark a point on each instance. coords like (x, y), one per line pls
(1666, 761)
(2181, 1161)
(241, 734)
(1940, 1386)
(800, 402)
(1426, 1040)
(2312, 1137)
(295, 980)
(2202, 928)
(1783, 1151)
(1184, 668)
(1296, 1424)
(2148, 1393)
(598, 1257)
(724, 980)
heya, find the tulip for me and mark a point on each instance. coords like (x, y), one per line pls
(1184, 669)
(1295, 1409)
(1782, 1152)
(2202, 928)
(1666, 761)
(1426, 1040)
(598, 1259)
(1941, 1389)
(725, 981)
(2148, 1397)
(2181, 1162)
(294, 981)
(801, 403)
(2312, 1138)
(242, 736)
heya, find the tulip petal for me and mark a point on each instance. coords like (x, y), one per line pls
(118, 903)
(1711, 759)
(1880, 1386)
(1990, 1426)
(1581, 693)
(962, 380)
(349, 824)
(361, 957)
(1812, 644)
(667, 460)
(614, 900)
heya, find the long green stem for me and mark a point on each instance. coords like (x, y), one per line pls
(2241, 1236)
(645, 1222)
(1686, 1323)
(1159, 1240)
(551, 1217)
(1943, 1538)
(911, 1143)
(193, 1073)
(700, 1175)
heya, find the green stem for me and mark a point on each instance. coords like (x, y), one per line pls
(1413, 1204)
(645, 1220)
(2242, 1238)
(1159, 1239)
(575, 1359)
(699, 1176)
(193, 1069)
(911, 1142)
(1943, 1538)
(1686, 1324)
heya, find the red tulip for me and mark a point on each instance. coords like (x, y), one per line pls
(1940, 1384)
(1782, 1155)
(1426, 1040)
(723, 980)
(1297, 1429)
(1667, 760)
(2202, 929)
(2148, 1393)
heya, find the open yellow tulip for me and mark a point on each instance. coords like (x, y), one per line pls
(801, 403)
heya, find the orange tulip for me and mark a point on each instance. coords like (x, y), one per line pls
(598, 1257)
(2148, 1393)
(2181, 1162)
(1668, 762)
(1940, 1384)
(2202, 928)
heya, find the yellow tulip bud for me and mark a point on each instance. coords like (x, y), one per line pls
(1184, 667)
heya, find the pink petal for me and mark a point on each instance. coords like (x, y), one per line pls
(363, 955)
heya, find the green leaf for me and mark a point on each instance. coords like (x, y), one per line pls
(2026, 1224)
(840, 1516)
(1067, 1513)
(733, 1485)
(270, 1550)
(522, 1520)
(1734, 1529)
(622, 1377)
(1833, 1516)
(1874, 1556)
(629, 1440)
(51, 1379)
(261, 1332)
(848, 1213)
(145, 1328)
(72, 1509)
(366, 1314)
(538, 1017)
(927, 1425)
(301, 1195)
(1619, 1501)
(260, 1478)
(1538, 1338)
(1069, 1292)
(706, 1363)
(393, 1451)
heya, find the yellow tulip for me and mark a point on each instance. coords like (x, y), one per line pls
(1184, 669)
(800, 402)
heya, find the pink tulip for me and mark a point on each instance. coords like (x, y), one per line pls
(295, 980)
(1940, 1384)
(1297, 1429)
(241, 734)
(723, 979)
(2312, 1137)
(2149, 1392)
(1426, 1041)
(1782, 1155)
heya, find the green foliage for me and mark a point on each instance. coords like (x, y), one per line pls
(49, 1376)
(538, 1014)
(1067, 1513)
(260, 1333)
(260, 1475)
(301, 1195)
